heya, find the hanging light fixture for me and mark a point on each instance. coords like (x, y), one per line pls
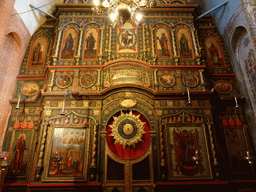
(123, 10)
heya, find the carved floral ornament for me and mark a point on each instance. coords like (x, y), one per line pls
(127, 129)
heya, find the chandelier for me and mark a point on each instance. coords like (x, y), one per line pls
(122, 10)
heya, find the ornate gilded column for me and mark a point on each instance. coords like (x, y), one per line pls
(101, 44)
(144, 42)
(57, 45)
(201, 71)
(195, 46)
(153, 46)
(156, 82)
(179, 80)
(50, 79)
(174, 47)
(93, 166)
(215, 162)
(194, 41)
(162, 155)
(78, 55)
(98, 82)
(174, 43)
(198, 44)
(39, 164)
(109, 46)
(75, 80)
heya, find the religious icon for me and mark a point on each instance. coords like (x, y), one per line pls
(186, 144)
(186, 149)
(247, 56)
(167, 80)
(91, 44)
(127, 38)
(30, 88)
(124, 75)
(67, 152)
(190, 80)
(63, 80)
(237, 149)
(20, 147)
(184, 43)
(214, 52)
(87, 80)
(223, 87)
(20, 153)
(163, 47)
(37, 53)
(68, 44)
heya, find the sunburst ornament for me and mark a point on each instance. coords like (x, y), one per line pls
(127, 129)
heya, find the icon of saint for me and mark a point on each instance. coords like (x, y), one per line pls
(68, 47)
(90, 43)
(184, 47)
(37, 54)
(164, 45)
(215, 57)
(19, 149)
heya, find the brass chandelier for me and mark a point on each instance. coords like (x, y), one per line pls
(122, 10)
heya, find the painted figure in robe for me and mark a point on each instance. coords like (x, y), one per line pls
(20, 147)
(69, 44)
(37, 54)
(184, 48)
(90, 42)
(164, 44)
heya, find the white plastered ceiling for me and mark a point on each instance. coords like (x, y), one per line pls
(31, 17)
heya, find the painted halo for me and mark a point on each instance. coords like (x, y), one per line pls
(63, 80)
(87, 80)
(30, 88)
(190, 80)
(127, 129)
(222, 87)
(167, 80)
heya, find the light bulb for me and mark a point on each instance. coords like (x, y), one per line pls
(138, 16)
(105, 3)
(113, 16)
(143, 2)
(96, 2)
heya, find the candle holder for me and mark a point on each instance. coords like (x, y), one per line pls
(196, 157)
(249, 158)
(3, 165)
(235, 98)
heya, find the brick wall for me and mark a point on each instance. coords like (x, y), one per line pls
(15, 40)
(6, 8)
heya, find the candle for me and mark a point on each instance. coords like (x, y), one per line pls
(248, 153)
(236, 102)
(18, 104)
(189, 100)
